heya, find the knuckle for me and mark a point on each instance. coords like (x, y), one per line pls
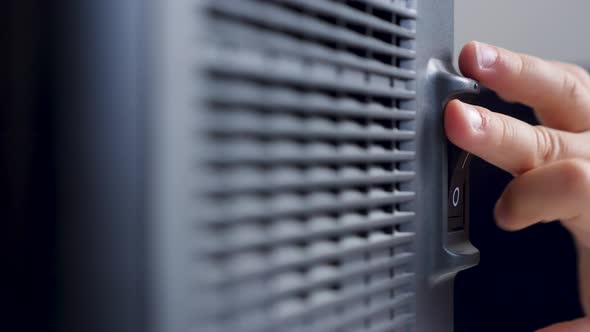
(571, 87)
(507, 134)
(525, 65)
(519, 66)
(580, 73)
(549, 144)
(506, 131)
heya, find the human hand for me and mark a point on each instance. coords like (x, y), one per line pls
(551, 162)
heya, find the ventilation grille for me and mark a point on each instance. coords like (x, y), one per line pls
(306, 226)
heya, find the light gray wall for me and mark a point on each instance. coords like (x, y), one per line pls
(555, 29)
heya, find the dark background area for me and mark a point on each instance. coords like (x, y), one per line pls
(526, 280)
(27, 179)
(68, 193)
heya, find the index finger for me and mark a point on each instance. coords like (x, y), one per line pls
(509, 143)
(558, 96)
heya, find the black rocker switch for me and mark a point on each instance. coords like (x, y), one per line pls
(458, 187)
(450, 85)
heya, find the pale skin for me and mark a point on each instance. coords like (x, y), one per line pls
(550, 163)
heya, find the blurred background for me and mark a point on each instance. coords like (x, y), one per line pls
(547, 28)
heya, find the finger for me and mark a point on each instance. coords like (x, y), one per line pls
(558, 97)
(578, 325)
(508, 143)
(560, 190)
(579, 72)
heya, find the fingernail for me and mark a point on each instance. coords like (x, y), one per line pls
(486, 55)
(473, 116)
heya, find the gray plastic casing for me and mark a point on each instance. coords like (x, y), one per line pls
(151, 195)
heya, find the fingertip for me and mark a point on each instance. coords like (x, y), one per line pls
(463, 122)
(468, 59)
(503, 216)
(452, 121)
(507, 214)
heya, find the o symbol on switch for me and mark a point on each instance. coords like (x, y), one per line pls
(456, 194)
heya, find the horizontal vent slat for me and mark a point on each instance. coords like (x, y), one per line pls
(241, 68)
(278, 18)
(344, 274)
(346, 13)
(274, 41)
(393, 304)
(323, 308)
(376, 288)
(338, 205)
(400, 322)
(308, 260)
(283, 100)
(386, 220)
(328, 158)
(270, 297)
(392, 7)
(334, 181)
(373, 134)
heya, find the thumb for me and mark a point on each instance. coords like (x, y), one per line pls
(578, 325)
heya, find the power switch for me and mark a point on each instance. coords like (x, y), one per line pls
(458, 187)
(456, 200)
(449, 235)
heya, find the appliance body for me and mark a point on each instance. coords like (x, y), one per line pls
(288, 231)
(251, 164)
